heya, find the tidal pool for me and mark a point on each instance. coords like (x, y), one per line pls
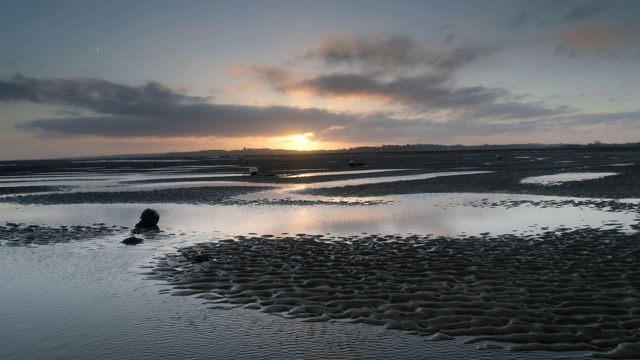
(327, 173)
(564, 177)
(437, 214)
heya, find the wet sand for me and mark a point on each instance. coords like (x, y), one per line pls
(502, 175)
(561, 290)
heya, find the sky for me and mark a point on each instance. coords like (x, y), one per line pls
(86, 78)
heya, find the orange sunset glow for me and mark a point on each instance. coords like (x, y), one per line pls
(315, 75)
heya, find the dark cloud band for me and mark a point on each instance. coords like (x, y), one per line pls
(154, 110)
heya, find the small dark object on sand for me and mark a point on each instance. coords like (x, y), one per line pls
(199, 257)
(132, 241)
(148, 219)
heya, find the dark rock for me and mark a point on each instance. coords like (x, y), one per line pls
(141, 228)
(132, 241)
(148, 219)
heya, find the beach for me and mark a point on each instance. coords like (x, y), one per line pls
(528, 254)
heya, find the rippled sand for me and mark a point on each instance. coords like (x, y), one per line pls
(574, 290)
(14, 234)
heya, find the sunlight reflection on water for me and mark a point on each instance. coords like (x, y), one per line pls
(438, 214)
(564, 177)
(326, 173)
(260, 212)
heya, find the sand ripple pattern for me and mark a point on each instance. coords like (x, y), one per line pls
(606, 205)
(12, 234)
(192, 195)
(569, 291)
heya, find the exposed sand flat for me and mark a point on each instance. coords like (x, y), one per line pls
(191, 195)
(607, 205)
(573, 290)
(29, 189)
(20, 234)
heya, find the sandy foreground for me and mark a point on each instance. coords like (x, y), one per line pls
(564, 290)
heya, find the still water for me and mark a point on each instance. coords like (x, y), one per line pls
(437, 214)
(565, 177)
(284, 210)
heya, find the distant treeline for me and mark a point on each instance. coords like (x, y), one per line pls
(400, 148)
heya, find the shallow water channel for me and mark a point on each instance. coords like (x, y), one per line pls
(284, 210)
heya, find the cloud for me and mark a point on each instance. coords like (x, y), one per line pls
(422, 92)
(454, 57)
(396, 53)
(91, 94)
(279, 78)
(600, 40)
(590, 37)
(585, 11)
(383, 129)
(516, 110)
(609, 119)
(379, 52)
(196, 121)
(153, 110)
(405, 73)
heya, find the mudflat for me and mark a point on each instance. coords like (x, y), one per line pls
(559, 289)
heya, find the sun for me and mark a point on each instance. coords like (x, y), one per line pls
(302, 142)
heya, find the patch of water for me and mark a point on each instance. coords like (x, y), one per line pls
(564, 177)
(326, 173)
(86, 180)
(132, 161)
(96, 182)
(385, 179)
(438, 214)
(289, 188)
(135, 182)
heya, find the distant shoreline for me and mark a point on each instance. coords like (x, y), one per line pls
(354, 150)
